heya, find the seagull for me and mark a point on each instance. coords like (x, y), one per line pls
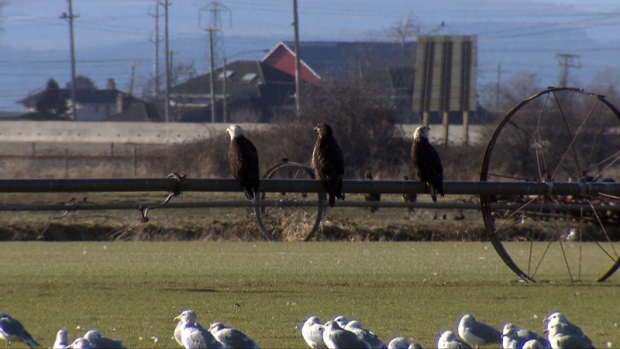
(194, 336)
(341, 321)
(335, 337)
(561, 338)
(177, 333)
(515, 337)
(448, 340)
(62, 339)
(558, 317)
(12, 330)
(364, 334)
(402, 343)
(477, 333)
(535, 344)
(80, 343)
(98, 341)
(312, 331)
(230, 338)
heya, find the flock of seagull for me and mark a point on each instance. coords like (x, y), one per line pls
(339, 333)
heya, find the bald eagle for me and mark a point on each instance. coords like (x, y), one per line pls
(327, 162)
(371, 196)
(243, 159)
(426, 162)
(409, 197)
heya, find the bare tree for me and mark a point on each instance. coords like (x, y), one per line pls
(405, 30)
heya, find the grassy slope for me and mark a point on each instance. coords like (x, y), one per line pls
(132, 290)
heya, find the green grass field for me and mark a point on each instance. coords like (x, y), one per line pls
(133, 290)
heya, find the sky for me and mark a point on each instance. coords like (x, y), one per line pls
(514, 36)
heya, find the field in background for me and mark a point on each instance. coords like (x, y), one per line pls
(132, 290)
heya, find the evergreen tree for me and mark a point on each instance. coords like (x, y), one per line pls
(53, 104)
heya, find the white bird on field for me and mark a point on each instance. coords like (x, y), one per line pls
(341, 321)
(335, 337)
(62, 339)
(535, 344)
(557, 317)
(231, 338)
(312, 331)
(177, 333)
(478, 333)
(402, 343)
(365, 334)
(561, 338)
(448, 340)
(80, 343)
(515, 337)
(194, 336)
(12, 330)
(98, 341)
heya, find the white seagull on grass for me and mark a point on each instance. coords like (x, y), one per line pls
(62, 339)
(335, 337)
(231, 338)
(478, 333)
(98, 341)
(365, 334)
(402, 343)
(515, 337)
(448, 340)
(12, 330)
(312, 331)
(194, 336)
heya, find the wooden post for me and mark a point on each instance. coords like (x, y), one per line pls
(466, 127)
(135, 161)
(445, 127)
(66, 162)
(425, 118)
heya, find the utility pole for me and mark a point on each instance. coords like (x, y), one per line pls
(567, 61)
(212, 74)
(167, 49)
(69, 17)
(297, 62)
(132, 79)
(156, 41)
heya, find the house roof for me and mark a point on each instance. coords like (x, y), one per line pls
(244, 77)
(334, 59)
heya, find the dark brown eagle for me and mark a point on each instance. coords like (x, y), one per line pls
(409, 197)
(371, 196)
(243, 159)
(327, 162)
(426, 162)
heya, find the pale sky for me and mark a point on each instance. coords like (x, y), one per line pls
(508, 31)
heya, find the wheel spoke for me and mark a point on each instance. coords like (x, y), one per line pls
(559, 135)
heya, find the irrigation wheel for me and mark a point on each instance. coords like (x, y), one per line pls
(558, 135)
(299, 216)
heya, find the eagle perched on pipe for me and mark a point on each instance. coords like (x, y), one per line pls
(327, 162)
(426, 162)
(243, 159)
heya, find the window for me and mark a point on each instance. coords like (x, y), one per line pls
(228, 74)
(248, 77)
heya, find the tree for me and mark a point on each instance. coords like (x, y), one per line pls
(83, 82)
(53, 103)
(404, 30)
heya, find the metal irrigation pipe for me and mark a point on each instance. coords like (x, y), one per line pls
(300, 186)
